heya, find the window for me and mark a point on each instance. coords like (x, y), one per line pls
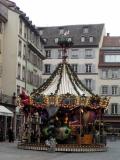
(20, 27)
(88, 53)
(45, 40)
(48, 53)
(0, 27)
(25, 31)
(112, 58)
(24, 52)
(88, 68)
(105, 90)
(90, 39)
(74, 54)
(20, 49)
(34, 59)
(69, 39)
(56, 40)
(44, 80)
(114, 108)
(82, 39)
(114, 74)
(41, 32)
(104, 74)
(85, 30)
(114, 90)
(74, 67)
(60, 53)
(19, 71)
(23, 73)
(88, 83)
(18, 90)
(47, 68)
(61, 31)
(31, 77)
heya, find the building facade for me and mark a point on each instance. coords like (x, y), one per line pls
(21, 56)
(84, 54)
(109, 74)
(95, 58)
(22, 53)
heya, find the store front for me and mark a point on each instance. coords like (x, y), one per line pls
(6, 118)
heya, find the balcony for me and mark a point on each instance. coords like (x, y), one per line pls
(3, 13)
(35, 49)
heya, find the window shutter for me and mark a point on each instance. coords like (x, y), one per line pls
(81, 54)
(53, 67)
(117, 90)
(54, 55)
(109, 90)
(93, 84)
(83, 69)
(119, 73)
(83, 81)
(109, 74)
(100, 74)
(100, 90)
(79, 68)
(93, 53)
(93, 68)
(43, 68)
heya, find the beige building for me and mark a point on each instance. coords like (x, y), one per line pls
(109, 76)
(3, 21)
(21, 55)
(21, 52)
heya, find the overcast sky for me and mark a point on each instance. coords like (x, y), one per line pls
(67, 12)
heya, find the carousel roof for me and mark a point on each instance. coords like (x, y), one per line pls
(63, 81)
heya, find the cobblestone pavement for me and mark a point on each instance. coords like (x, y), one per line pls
(9, 151)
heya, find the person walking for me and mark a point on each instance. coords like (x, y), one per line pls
(10, 135)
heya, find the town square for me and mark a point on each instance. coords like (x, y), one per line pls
(59, 86)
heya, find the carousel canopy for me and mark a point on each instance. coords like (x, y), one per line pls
(63, 80)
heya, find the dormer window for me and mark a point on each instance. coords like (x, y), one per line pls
(61, 31)
(69, 39)
(48, 53)
(45, 40)
(85, 30)
(41, 32)
(90, 39)
(82, 39)
(56, 40)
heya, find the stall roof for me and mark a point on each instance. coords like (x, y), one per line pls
(5, 112)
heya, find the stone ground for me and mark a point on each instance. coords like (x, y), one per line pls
(9, 151)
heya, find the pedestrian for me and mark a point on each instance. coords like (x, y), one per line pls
(10, 135)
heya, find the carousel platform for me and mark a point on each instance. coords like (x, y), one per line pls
(64, 147)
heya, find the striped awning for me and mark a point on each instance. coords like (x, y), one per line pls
(5, 112)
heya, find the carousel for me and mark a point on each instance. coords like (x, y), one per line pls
(62, 114)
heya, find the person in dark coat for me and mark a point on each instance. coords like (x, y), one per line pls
(10, 135)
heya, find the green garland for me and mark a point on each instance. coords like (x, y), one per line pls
(75, 78)
(58, 85)
(72, 76)
(78, 81)
(48, 81)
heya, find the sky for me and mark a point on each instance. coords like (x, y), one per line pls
(72, 12)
